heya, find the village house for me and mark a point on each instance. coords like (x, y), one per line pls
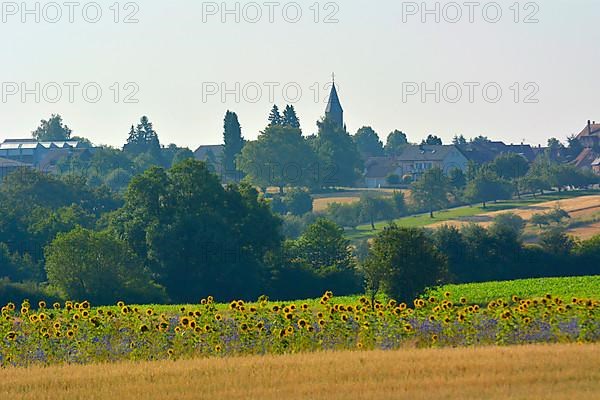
(413, 163)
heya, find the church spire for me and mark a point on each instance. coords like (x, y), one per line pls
(334, 110)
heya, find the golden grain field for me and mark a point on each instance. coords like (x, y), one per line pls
(546, 372)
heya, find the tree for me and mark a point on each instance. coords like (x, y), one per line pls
(459, 140)
(182, 155)
(340, 163)
(143, 139)
(280, 157)
(324, 248)
(509, 221)
(393, 180)
(403, 262)
(457, 180)
(512, 167)
(556, 242)
(486, 187)
(52, 130)
(431, 191)
(197, 237)
(368, 143)
(290, 118)
(275, 117)
(396, 142)
(575, 147)
(298, 202)
(432, 140)
(233, 139)
(94, 266)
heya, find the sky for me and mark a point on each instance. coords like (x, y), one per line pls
(507, 70)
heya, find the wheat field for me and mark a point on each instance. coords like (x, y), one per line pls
(547, 372)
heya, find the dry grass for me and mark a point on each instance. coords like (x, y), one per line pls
(531, 372)
(321, 204)
(579, 207)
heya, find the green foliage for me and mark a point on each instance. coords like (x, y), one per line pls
(234, 141)
(431, 191)
(393, 180)
(396, 142)
(290, 118)
(275, 116)
(298, 202)
(280, 157)
(323, 248)
(403, 262)
(143, 139)
(432, 140)
(52, 129)
(484, 293)
(368, 143)
(84, 264)
(340, 162)
(196, 236)
(510, 166)
(486, 187)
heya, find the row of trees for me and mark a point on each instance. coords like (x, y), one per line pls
(180, 235)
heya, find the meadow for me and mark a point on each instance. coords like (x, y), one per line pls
(526, 205)
(539, 372)
(545, 311)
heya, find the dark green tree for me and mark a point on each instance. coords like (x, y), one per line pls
(368, 143)
(432, 140)
(275, 117)
(280, 157)
(234, 141)
(403, 262)
(94, 266)
(340, 163)
(290, 118)
(486, 187)
(431, 191)
(52, 129)
(396, 142)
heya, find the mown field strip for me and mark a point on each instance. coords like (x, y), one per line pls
(494, 373)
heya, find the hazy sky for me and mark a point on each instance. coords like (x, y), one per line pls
(180, 52)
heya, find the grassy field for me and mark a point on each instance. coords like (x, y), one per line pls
(483, 293)
(557, 372)
(423, 220)
(476, 293)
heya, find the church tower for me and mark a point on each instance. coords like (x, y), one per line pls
(334, 110)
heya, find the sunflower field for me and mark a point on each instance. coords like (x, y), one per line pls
(76, 333)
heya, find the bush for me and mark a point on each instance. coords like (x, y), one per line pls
(298, 202)
(403, 262)
(18, 292)
(94, 266)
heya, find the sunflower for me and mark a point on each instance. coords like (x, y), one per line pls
(515, 299)
(124, 310)
(260, 325)
(434, 338)
(170, 352)
(42, 304)
(329, 294)
(289, 316)
(319, 315)
(70, 334)
(85, 305)
(408, 328)
(185, 321)
(244, 327)
(344, 318)
(275, 309)
(302, 323)
(33, 318)
(218, 317)
(149, 312)
(57, 325)
(12, 335)
(402, 306)
(447, 295)
(120, 304)
(463, 300)
(289, 330)
(76, 317)
(321, 322)
(42, 317)
(432, 318)
(359, 345)
(218, 348)
(85, 314)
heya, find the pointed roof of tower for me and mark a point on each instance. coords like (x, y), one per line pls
(333, 105)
